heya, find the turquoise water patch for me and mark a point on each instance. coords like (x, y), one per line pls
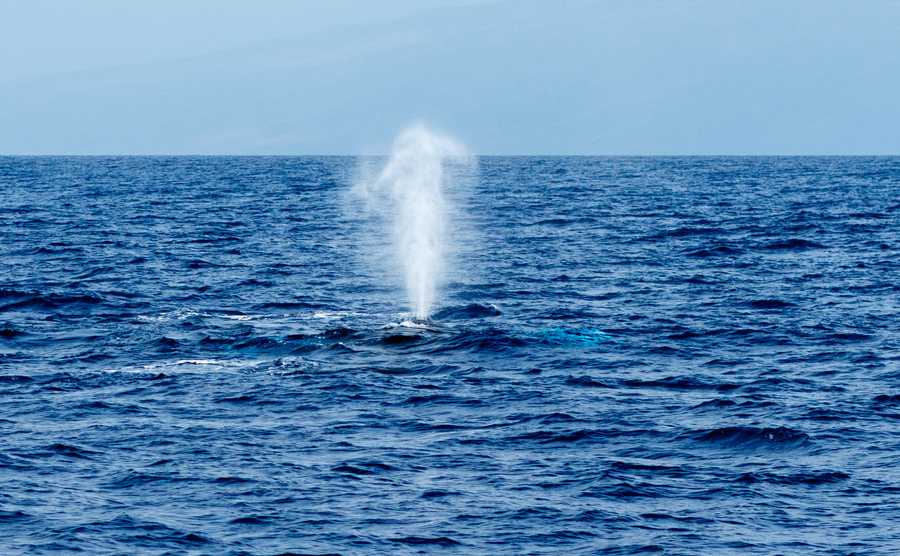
(574, 336)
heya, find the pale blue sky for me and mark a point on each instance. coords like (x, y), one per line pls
(507, 77)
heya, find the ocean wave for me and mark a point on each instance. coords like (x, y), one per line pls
(750, 437)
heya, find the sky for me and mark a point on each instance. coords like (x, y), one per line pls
(602, 77)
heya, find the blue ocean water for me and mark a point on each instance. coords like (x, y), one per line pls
(636, 355)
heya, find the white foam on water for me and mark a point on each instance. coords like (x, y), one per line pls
(186, 365)
(240, 317)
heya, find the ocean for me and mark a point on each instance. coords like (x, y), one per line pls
(674, 355)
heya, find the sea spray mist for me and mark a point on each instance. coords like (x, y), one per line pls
(410, 203)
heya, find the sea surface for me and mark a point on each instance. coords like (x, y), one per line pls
(629, 356)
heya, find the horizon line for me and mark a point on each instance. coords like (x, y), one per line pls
(488, 155)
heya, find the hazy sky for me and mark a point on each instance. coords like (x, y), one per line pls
(507, 77)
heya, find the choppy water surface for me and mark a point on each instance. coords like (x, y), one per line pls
(676, 355)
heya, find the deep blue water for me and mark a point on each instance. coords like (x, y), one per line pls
(636, 355)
